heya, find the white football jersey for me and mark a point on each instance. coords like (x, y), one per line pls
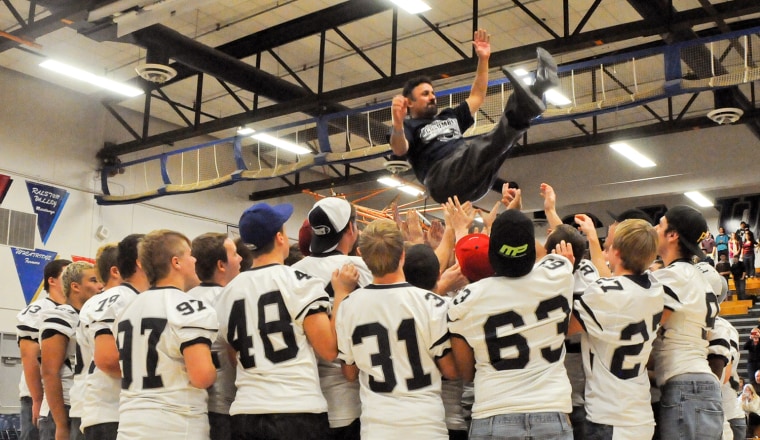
(724, 342)
(343, 404)
(62, 319)
(28, 327)
(516, 328)
(101, 391)
(584, 276)
(620, 316)
(393, 333)
(156, 395)
(222, 393)
(261, 314)
(681, 343)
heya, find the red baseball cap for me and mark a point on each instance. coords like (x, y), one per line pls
(472, 254)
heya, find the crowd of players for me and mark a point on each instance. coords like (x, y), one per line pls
(434, 335)
(444, 335)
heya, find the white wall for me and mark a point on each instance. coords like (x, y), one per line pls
(51, 135)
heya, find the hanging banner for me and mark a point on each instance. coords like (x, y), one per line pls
(30, 266)
(47, 202)
(5, 185)
(76, 258)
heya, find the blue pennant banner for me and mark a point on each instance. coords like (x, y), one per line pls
(30, 266)
(48, 202)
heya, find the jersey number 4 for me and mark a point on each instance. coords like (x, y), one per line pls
(242, 341)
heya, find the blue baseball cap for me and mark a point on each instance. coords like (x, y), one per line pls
(261, 222)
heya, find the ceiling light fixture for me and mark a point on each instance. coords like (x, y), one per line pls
(281, 143)
(412, 6)
(698, 198)
(632, 154)
(245, 131)
(100, 81)
(402, 185)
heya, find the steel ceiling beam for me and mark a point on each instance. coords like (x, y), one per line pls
(293, 30)
(680, 20)
(71, 10)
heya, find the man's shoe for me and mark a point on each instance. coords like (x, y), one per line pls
(528, 101)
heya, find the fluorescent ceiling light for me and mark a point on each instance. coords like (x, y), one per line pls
(520, 72)
(411, 189)
(390, 181)
(412, 6)
(100, 81)
(698, 198)
(631, 154)
(401, 185)
(281, 143)
(245, 131)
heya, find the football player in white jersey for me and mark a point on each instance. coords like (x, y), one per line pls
(691, 402)
(333, 234)
(584, 274)
(392, 336)
(164, 339)
(508, 333)
(59, 350)
(107, 265)
(276, 318)
(95, 335)
(723, 357)
(619, 317)
(217, 263)
(27, 333)
(422, 269)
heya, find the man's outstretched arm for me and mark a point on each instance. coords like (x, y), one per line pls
(481, 41)
(399, 144)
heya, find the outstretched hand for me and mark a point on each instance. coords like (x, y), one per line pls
(550, 198)
(566, 250)
(481, 41)
(398, 111)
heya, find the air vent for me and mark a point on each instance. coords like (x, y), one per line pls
(155, 73)
(17, 228)
(726, 115)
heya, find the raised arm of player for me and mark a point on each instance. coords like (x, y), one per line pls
(481, 42)
(595, 249)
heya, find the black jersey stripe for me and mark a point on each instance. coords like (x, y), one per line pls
(440, 341)
(198, 340)
(305, 309)
(58, 321)
(670, 293)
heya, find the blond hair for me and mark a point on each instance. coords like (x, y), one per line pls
(381, 245)
(156, 251)
(74, 273)
(636, 240)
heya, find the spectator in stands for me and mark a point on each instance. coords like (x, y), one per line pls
(739, 274)
(748, 253)
(751, 405)
(721, 243)
(724, 268)
(753, 354)
(734, 247)
(708, 246)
